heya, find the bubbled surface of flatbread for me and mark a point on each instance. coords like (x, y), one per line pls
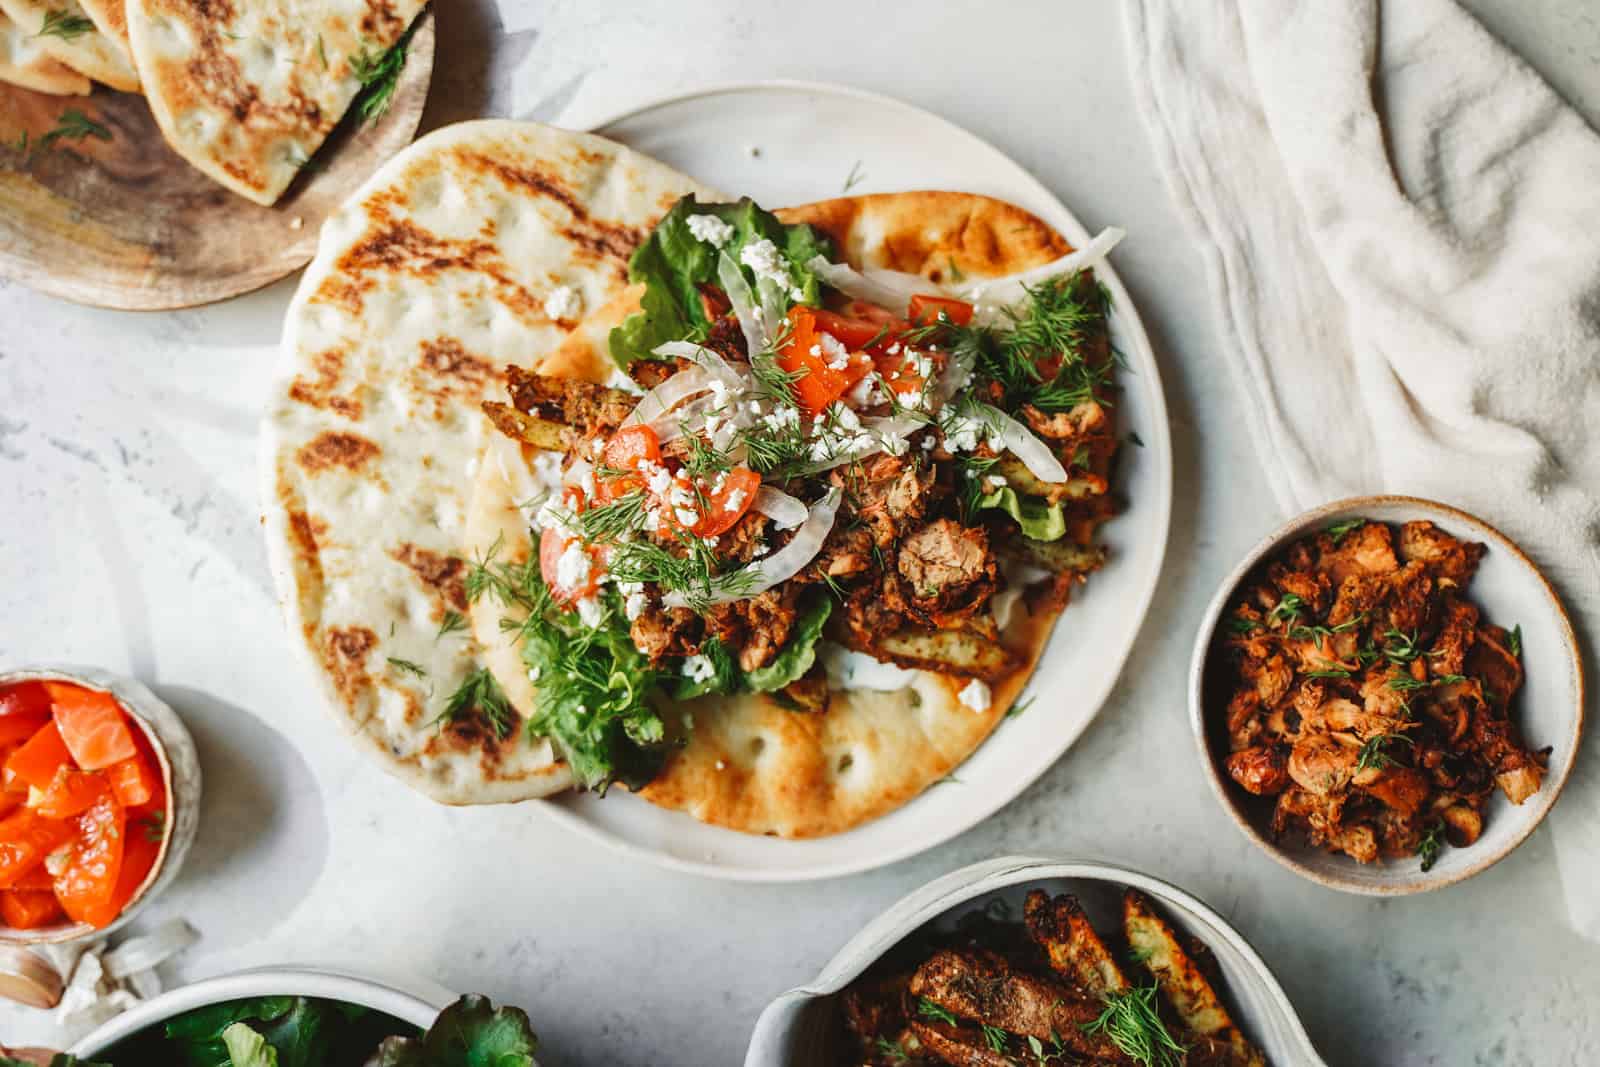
(247, 90)
(425, 285)
(745, 762)
(110, 17)
(24, 63)
(90, 53)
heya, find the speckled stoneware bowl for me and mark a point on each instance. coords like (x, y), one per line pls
(802, 1028)
(1549, 710)
(180, 771)
(417, 1008)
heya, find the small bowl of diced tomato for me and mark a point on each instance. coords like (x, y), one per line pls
(99, 790)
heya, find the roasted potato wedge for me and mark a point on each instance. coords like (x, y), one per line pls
(1062, 929)
(950, 651)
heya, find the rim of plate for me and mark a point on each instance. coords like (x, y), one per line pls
(1201, 657)
(1132, 326)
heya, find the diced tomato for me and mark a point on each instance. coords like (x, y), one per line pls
(70, 792)
(18, 728)
(24, 698)
(552, 545)
(864, 309)
(26, 838)
(29, 909)
(818, 384)
(927, 309)
(35, 761)
(92, 724)
(138, 857)
(727, 505)
(134, 780)
(631, 446)
(37, 878)
(87, 885)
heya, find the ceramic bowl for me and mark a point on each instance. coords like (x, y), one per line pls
(180, 771)
(417, 1009)
(1549, 710)
(802, 1027)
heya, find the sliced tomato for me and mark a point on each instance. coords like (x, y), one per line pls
(35, 761)
(71, 791)
(138, 858)
(631, 446)
(29, 909)
(87, 885)
(927, 309)
(865, 309)
(24, 698)
(92, 724)
(552, 546)
(818, 384)
(18, 728)
(38, 878)
(26, 838)
(134, 780)
(727, 505)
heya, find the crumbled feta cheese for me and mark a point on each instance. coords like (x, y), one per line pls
(994, 483)
(844, 416)
(652, 520)
(659, 479)
(894, 349)
(633, 605)
(863, 394)
(564, 303)
(764, 258)
(976, 696)
(586, 483)
(838, 355)
(710, 229)
(698, 668)
(735, 501)
(961, 432)
(590, 612)
(713, 423)
(533, 674)
(719, 481)
(781, 418)
(713, 541)
(686, 516)
(816, 350)
(719, 393)
(761, 548)
(681, 496)
(547, 469)
(928, 444)
(573, 566)
(597, 447)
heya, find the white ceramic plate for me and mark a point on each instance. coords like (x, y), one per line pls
(800, 1028)
(891, 146)
(1549, 710)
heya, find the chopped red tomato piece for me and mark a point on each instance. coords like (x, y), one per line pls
(18, 728)
(70, 792)
(928, 309)
(26, 838)
(92, 724)
(134, 780)
(818, 384)
(38, 878)
(24, 698)
(138, 858)
(553, 545)
(865, 309)
(727, 505)
(35, 761)
(29, 909)
(631, 446)
(87, 885)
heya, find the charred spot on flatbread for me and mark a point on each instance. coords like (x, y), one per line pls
(320, 388)
(444, 576)
(331, 449)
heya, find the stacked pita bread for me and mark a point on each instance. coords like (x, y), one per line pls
(246, 92)
(382, 478)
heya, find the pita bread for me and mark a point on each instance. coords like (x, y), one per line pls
(247, 92)
(424, 287)
(90, 53)
(110, 17)
(748, 763)
(24, 63)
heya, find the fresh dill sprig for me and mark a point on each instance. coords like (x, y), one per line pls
(610, 522)
(929, 1010)
(1372, 752)
(1287, 609)
(704, 459)
(1338, 530)
(855, 177)
(1132, 1021)
(451, 622)
(1514, 641)
(890, 1049)
(72, 125)
(1240, 625)
(997, 1038)
(379, 75)
(407, 666)
(65, 25)
(773, 382)
(1399, 647)
(480, 692)
(1329, 672)
(1429, 847)
(154, 826)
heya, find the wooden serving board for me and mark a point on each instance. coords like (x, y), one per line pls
(127, 223)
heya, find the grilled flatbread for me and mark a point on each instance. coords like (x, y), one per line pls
(74, 40)
(110, 17)
(24, 63)
(424, 287)
(247, 92)
(748, 763)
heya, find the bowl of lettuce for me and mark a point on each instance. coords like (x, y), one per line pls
(299, 1018)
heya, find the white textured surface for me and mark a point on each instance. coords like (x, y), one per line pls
(128, 537)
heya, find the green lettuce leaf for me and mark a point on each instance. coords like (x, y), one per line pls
(1039, 520)
(673, 264)
(246, 1048)
(798, 653)
(469, 1033)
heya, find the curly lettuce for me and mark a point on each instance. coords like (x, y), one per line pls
(1039, 519)
(797, 655)
(673, 263)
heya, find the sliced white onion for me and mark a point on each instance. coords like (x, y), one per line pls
(1017, 439)
(711, 361)
(957, 371)
(690, 418)
(782, 564)
(887, 289)
(774, 304)
(574, 473)
(1013, 287)
(669, 394)
(744, 303)
(784, 510)
(879, 430)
